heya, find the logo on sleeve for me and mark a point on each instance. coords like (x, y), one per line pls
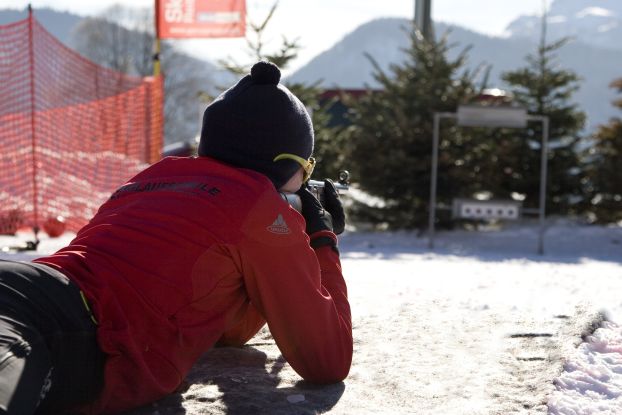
(279, 226)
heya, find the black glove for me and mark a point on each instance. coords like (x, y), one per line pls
(316, 217)
(332, 204)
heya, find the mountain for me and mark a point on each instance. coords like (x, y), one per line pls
(186, 74)
(345, 65)
(595, 52)
(595, 22)
(59, 24)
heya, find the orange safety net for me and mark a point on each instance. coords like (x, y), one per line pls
(70, 131)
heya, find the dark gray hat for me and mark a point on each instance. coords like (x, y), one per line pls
(256, 120)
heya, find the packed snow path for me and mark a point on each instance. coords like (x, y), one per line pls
(482, 325)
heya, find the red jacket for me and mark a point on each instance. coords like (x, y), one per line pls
(192, 251)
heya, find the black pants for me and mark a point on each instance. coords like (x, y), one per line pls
(49, 357)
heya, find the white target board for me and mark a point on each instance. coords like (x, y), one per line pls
(486, 209)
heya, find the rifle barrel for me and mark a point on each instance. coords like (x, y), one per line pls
(320, 184)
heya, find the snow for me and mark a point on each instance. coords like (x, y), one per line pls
(592, 378)
(607, 27)
(557, 19)
(480, 325)
(594, 11)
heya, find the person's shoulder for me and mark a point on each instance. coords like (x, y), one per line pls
(272, 221)
(252, 201)
(249, 191)
(165, 167)
(206, 167)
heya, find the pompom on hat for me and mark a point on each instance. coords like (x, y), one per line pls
(252, 123)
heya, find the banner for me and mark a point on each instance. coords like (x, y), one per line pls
(200, 18)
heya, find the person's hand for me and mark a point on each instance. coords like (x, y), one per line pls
(332, 203)
(316, 217)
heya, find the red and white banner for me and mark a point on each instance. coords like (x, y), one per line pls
(200, 18)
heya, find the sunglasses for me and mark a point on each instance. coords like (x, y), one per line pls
(307, 165)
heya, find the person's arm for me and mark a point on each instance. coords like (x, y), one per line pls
(301, 293)
(250, 323)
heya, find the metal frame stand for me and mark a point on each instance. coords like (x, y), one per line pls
(543, 173)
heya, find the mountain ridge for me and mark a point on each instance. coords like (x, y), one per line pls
(58, 23)
(346, 66)
(595, 22)
(596, 59)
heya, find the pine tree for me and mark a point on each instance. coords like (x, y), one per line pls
(604, 175)
(544, 89)
(390, 140)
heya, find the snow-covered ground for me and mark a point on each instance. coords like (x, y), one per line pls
(481, 325)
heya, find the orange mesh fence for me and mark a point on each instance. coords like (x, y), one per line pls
(70, 130)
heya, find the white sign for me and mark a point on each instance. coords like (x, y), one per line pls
(486, 209)
(492, 116)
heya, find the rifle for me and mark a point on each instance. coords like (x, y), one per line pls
(342, 184)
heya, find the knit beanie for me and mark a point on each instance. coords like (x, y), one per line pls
(256, 120)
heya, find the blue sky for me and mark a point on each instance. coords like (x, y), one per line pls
(319, 24)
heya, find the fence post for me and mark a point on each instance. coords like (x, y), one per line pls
(433, 178)
(33, 119)
(543, 177)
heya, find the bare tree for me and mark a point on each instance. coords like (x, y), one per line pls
(123, 39)
(105, 41)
